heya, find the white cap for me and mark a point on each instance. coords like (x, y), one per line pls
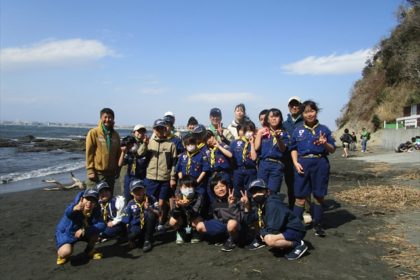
(297, 98)
(138, 126)
(169, 113)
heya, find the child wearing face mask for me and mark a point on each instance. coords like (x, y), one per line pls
(276, 225)
(136, 165)
(187, 211)
(244, 157)
(193, 162)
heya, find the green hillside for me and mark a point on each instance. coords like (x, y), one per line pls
(391, 79)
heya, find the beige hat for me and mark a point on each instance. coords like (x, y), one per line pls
(139, 126)
(297, 98)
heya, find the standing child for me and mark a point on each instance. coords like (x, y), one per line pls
(227, 216)
(270, 142)
(141, 217)
(218, 155)
(310, 145)
(112, 210)
(244, 158)
(187, 211)
(346, 139)
(82, 221)
(278, 226)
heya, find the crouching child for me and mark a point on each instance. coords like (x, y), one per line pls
(82, 221)
(226, 224)
(187, 211)
(141, 217)
(112, 210)
(278, 226)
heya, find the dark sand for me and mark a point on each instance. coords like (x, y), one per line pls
(27, 248)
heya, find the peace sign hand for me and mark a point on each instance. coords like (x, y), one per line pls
(244, 198)
(231, 197)
(322, 140)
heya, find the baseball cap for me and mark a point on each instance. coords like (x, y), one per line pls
(169, 119)
(139, 126)
(159, 123)
(135, 184)
(257, 184)
(215, 112)
(297, 98)
(199, 129)
(90, 193)
(169, 113)
(101, 186)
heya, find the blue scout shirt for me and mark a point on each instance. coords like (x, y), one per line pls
(269, 147)
(136, 165)
(242, 157)
(178, 143)
(217, 160)
(304, 137)
(135, 212)
(290, 125)
(193, 163)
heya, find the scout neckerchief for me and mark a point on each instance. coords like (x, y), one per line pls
(312, 129)
(107, 133)
(170, 136)
(273, 134)
(260, 216)
(86, 216)
(245, 149)
(190, 155)
(213, 156)
(105, 212)
(215, 132)
(133, 166)
(140, 206)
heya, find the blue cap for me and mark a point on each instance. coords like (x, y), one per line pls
(159, 123)
(215, 112)
(199, 129)
(135, 184)
(102, 185)
(90, 193)
(257, 184)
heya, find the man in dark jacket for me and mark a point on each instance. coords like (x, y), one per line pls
(278, 226)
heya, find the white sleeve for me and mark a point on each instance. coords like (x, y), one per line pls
(120, 205)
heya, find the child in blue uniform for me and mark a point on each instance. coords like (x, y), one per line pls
(218, 155)
(227, 216)
(172, 134)
(187, 211)
(141, 216)
(271, 142)
(112, 210)
(244, 157)
(82, 221)
(278, 226)
(193, 162)
(310, 145)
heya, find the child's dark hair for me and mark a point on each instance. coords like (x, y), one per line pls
(246, 126)
(242, 106)
(209, 134)
(276, 112)
(189, 139)
(192, 121)
(216, 178)
(128, 140)
(346, 130)
(311, 105)
(187, 181)
(107, 111)
(263, 112)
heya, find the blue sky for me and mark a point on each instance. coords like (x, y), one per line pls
(65, 60)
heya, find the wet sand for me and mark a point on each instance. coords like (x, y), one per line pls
(27, 248)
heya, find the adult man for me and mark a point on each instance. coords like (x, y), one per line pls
(222, 134)
(103, 151)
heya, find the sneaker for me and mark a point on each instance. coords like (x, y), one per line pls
(95, 255)
(307, 218)
(61, 260)
(179, 239)
(195, 237)
(218, 244)
(319, 231)
(147, 246)
(256, 244)
(228, 246)
(297, 252)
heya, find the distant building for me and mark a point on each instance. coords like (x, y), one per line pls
(411, 116)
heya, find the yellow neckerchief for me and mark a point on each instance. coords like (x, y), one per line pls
(170, 136)
(312, 129)
(260, 217)
(190, 155)
(133, 166)
(140, 206)
(213, 156)
(86, 216)
(201, 145)
(273, 134)
(245, 149)
(105, 211)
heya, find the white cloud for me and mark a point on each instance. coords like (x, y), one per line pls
(332, 64)
(223, 97)
(54, 53)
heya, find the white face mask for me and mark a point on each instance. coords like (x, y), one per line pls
(187, 192)
(134, 148)
(248, 135)
(191, 148)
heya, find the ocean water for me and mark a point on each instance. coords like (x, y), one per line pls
(25, 170)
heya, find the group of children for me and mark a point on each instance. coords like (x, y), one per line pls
(210, 185)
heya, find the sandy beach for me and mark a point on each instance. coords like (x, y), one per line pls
(350, 250)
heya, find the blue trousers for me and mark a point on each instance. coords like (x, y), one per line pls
(242, 177)
(272, 174)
